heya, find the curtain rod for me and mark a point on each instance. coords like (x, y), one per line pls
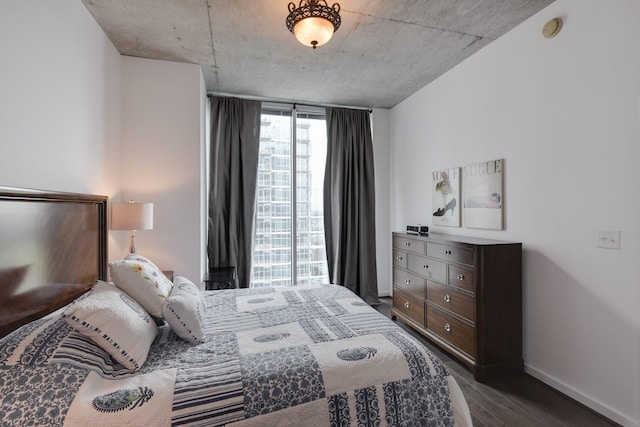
(283, 101)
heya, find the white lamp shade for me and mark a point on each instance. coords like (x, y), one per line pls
(132, 216)
(313, 29)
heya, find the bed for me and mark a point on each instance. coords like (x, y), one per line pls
(77, 349)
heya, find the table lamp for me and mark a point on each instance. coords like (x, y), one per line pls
(132, 216)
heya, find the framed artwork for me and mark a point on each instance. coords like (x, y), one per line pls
(483, 195)
(445, 196)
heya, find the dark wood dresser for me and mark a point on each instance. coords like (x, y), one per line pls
(465, 295)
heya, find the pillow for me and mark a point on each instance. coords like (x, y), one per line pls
(115, 322)
(139, 278)
(140, 258)
(184, 310)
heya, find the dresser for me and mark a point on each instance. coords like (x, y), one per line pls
(465, 295)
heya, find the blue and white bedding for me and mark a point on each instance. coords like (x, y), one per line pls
(313, 356)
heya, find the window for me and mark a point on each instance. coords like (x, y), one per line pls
(281, 163)
(289, 246)
(264, 163)
(281, 195)
(264, 194)
(281, 179)
(264, 179)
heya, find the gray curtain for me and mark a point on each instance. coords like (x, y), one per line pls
(349, 203)
(235, 144)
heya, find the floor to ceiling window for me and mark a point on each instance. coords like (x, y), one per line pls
(289, 217)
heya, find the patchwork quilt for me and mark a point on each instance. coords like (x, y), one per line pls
(312, 356)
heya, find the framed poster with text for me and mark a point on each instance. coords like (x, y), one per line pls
(483, 195)
(445, 196)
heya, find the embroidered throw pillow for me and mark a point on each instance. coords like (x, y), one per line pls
(115, 322)
(184, 310)
(143, 281)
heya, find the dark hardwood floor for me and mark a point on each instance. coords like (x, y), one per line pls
(516, 401)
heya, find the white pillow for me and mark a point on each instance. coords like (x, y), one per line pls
(140, 258)
(115, 322)
(184, 310)
(139, 278)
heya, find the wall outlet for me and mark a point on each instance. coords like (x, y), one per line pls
(608, 239)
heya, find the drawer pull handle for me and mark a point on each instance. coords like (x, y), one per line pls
(399, 258)
(425, 266)
(447, 298)
(447, 327)
(407, 281)
(448, 252)
(406, 304)
(460, 276)
(407, 243)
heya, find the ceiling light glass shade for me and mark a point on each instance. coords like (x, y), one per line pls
(313, 32)
(313, 22)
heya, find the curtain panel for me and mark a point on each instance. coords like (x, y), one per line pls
(234, 149)
(349, 203)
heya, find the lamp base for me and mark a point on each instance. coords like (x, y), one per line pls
(132, 245)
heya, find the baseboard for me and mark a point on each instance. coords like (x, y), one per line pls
(592, 404)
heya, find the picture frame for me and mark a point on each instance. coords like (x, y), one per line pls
(483, 195)
(445, 196)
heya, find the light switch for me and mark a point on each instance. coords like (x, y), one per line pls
(608, 239)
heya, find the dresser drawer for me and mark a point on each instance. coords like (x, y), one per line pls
(399, 259)
(409, 244)
(410, 283)
(453, 300)
(452, 330)
(461, 277)
(450, 253)
(427, 267)
(409, 306)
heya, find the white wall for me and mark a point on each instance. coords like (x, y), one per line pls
(76, 116)
(59, 98)
(162, 145)
(380, 133)
(204, 179)
(565, 115)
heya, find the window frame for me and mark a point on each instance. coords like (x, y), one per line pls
(279, 181)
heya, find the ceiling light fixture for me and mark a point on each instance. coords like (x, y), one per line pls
(313, 22)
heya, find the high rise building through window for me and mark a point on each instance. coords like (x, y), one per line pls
(289, 216)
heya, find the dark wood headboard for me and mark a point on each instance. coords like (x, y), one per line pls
(53, 246)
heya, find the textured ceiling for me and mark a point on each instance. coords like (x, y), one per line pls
(383, 52)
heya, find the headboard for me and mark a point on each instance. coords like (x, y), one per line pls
(53, 246)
